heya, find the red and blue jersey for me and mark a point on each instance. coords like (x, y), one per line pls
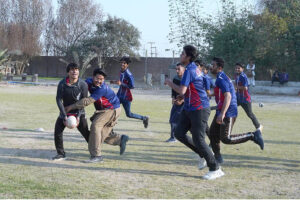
(224, 84)
(208, 82)
(243, 96)
(104, 96)
(127, 83)
(195, 98)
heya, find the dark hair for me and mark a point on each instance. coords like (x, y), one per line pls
(207, 67)
(240, 64)
(191, 51)
(219, 61)
(179, 64)
(199, 62)
(125, 59)
(72, 66)
(99, 71)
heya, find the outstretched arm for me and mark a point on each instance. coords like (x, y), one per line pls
(80, 104)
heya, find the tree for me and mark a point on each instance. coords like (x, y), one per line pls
(75, 21)
(22, 23)
(185, 22)
(114, 38)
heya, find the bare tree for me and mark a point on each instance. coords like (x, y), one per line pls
(75, 21)
(21, 26)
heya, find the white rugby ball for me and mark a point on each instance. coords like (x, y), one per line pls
(71, 122)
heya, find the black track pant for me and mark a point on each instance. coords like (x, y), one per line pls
(196, 123)
(222, 132)
(58, 133)
(248, 109)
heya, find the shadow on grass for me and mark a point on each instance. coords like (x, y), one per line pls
(150, 122)
(281, 142)
(18, 161)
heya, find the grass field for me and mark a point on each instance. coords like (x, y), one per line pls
(149, 168)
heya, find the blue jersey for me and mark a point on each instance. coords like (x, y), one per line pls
(243, 96)
(195, 97)
(209, 84)
(104, 96)
(127, 83)
(224, 84)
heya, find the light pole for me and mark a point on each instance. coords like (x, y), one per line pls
(173, 52)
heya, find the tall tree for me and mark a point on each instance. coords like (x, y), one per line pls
(75, 21)
(22, 23)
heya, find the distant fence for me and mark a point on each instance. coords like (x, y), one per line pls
(50, 66)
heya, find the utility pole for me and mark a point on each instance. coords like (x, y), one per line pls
(152, 47)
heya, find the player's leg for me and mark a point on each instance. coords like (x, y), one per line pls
(228, 138)
(181, 130)
(173, 124)
(214, 137)
(111, 137)
(248, 109)
(198, 127)
(95, 139)
(127, 108)
(83, 128)
(58, 139)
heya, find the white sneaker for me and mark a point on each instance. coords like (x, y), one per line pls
(261, 127)
(202, 163)
(211, 175)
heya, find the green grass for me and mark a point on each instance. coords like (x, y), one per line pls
(149, 168)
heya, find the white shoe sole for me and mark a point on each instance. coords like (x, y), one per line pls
(213, 178)
(57, 160)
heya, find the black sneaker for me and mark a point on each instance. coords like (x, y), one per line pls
(146, 121)
(258, 139)
(124, 139)
(59, 157)
(219, 158)
(95, 159)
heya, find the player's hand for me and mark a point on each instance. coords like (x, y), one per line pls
(168, 82)
(65, 121)
(220, 118)
(77, 124)
(119, 83)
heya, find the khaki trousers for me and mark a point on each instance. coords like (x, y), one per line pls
(101, 131)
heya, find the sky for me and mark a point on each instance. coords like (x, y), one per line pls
(151, 17)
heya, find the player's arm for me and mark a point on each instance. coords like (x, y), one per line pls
(80, 104)
(84, 94)
(181, 90)
(59, 100)
(179, 100)
(227, 99)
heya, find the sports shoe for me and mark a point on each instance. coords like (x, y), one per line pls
(258, 139)
(95, 159)
(219, 158)
(202, 163)
(171, 140)
(124, 139)
(59, 157)
(146, 121)
(211, 175)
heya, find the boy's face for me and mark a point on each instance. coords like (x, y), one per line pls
(98, 80)
(180, 70)
(238, 69)
(214, 68)
(205, 70)
(124, 65)
(184, 59)
(73, 73)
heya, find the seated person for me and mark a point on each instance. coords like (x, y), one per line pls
(284, 77)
